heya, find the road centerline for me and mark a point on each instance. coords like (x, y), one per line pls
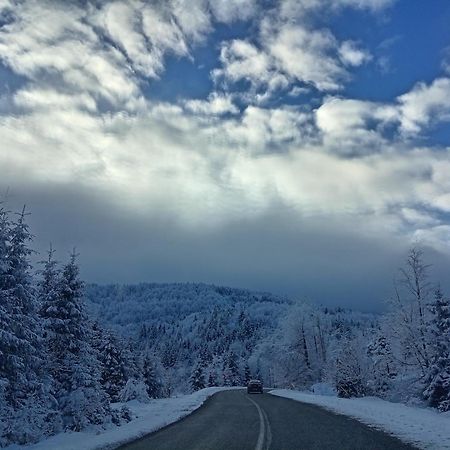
(264, 428)
(268, 430)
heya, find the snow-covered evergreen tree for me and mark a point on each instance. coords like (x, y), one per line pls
(7, 335)
(22, 388)
(150, 378)
(48, 294)
(383, 365)
(247, 373)
(19, 322)
(231, 376)
(197, 379)
(212, 378)
(112, 367)
(74, 366)
(437, 391)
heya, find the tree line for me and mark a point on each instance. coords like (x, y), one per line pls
(400, 355)
(59, 370)
(202, 335)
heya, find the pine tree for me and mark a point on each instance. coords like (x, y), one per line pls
(150, 378)
(24, 409)
(131, 359)
(212, 379)
(247, 373)
(437, 391)
(74, 365)
(20, 333)
(383, 365)
(48, 294)
(8, 338)
(197, 379)
(113, 377)
(231, 375)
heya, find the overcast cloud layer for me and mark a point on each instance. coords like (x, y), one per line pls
(276, 179)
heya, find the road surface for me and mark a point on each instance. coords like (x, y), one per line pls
(234, 420)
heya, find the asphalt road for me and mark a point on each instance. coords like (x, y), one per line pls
(234, 420)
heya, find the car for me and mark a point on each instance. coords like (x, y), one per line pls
(254, 387)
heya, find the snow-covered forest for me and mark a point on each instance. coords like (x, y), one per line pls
(69, 351)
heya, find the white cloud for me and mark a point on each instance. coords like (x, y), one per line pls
(287, 54)
(146, 32)
(354, 127)
(229, 11)
(5, 5)
(374, 5)
(64, 43)
(243, 60)
(306, 55)
(413, 112)
(165, 160)
(342, 116)
(142, 33)
(425, 104)
(351, 55)
(260, 129)
(290, 9)
(317, 183)
(297, 90)
(216, 104)
(289, 50)
(418, 218)
(437, 236)
(51, 41)
(163, 33)
(36, 98)
(192, 16)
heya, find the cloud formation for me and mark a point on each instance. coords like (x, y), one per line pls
(287, 54)
(82, 119)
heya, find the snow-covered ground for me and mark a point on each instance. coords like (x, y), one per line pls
(425, 428)
(150, 417)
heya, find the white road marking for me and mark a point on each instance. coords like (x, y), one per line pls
(265, 433)
(268, 430)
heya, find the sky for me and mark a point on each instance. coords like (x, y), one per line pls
(299, 147)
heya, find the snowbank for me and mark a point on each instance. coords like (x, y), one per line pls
(422, 427)
(150, 417)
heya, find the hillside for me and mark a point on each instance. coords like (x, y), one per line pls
(228, 334)
(127, 307)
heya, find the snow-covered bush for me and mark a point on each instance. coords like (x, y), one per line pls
(324, 389)
(134, 390)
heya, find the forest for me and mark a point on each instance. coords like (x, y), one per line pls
(71, 352)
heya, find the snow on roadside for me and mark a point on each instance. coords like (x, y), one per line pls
(150, 417)
(422, 427)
